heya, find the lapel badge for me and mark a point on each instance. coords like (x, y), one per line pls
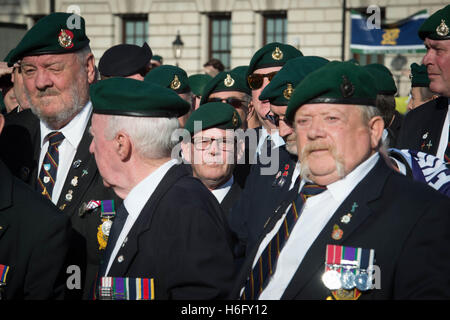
(287, 93)
(76, 164)
(85, 173)
(346, 218)
(347, 87)
(74, 181)
(65, 38)
(425, 135)
(69, 195)
(62, 207)
(354, 206)
(228, 81)
(46, 179)
(47, 166)
(429, 145)
(175, 84)
(337, 233)
(277, 54)
(442, 30)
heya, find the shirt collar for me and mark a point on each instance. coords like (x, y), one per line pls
(139, 195)
(222, 191)
(74, 130)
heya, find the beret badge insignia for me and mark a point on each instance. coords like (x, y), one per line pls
(235, 120)
(175, 84)
(228, 81)
(287, 93)
(65, 38)
(277, 54)
(442, 30)
(347, 88)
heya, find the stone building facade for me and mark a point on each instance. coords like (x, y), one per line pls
(314, 26)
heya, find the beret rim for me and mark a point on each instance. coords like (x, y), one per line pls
(151, 114)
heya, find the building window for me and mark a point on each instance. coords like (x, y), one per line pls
(275, 27)
(220, 38)
(135, 29)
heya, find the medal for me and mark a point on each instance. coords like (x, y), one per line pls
(112, 288)
(348, 280)
(364, 278)
(331, 278)
(107, 212)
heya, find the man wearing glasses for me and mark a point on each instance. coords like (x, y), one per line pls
(214, 150)
(264, 65)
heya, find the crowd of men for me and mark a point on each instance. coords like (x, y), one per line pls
(293, 177)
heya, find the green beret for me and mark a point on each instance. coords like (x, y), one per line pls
(274, 54)
(52, 35)
(233, 80)
(169, 76)
(197, 82)
(419, 76)
(214, 115)
(130, 97)
(157, 58)
(2, 102)
(336, 82)
(437, 26)
(281, 87)
(383, 76)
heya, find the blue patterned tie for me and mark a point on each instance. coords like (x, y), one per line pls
(265, 267)
(49, 168)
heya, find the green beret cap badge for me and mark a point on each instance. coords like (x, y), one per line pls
(287, 93)
(442, 29)
(235, 119)
(347, 88)
(228, 81)
(175, 84)
(65, 38)
(277, 54)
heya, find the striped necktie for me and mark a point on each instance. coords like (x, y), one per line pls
(447, 153)
(266, 264)
(49, 168)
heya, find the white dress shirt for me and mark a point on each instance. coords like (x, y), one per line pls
(73, 132)
(277, 141)
(135, 202)
(222, 191)
(315, 214)
(443, 142)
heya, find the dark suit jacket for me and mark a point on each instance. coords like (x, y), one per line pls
(181, 240)
(260, 197)
(406, 222)
(20, 149)
(33, 241)
(423, 125)
(231, 198)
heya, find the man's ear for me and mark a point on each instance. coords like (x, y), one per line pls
(123, 146)
(186, 149)
(376, 127)
(90, 68)
(2, 123)
(251, 111)
(240, 150)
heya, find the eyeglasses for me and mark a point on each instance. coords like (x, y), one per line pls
(275, 119)
(204, 143)
(236, 103)
(255, 80)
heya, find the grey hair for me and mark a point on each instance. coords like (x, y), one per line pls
(150, 136)
(369, 112)
(83, 53)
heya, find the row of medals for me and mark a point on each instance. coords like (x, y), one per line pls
(348, 280)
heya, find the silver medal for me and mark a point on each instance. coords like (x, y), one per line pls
(106, 227)
(363, 282)
(332, 280)
(348, 280)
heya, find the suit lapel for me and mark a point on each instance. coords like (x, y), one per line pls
(430, 136)
(337, 232)
(81, 173)
(143, 222)
(6, 196)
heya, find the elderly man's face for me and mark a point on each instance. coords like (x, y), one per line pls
(263, 107)
(437, 61)
(333, 140)
(57, 86)
(213, 156)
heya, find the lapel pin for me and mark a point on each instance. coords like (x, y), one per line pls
(47, 166)
(69, 195)
(346, 218)
(354, 206)
(425, 135)
(85, 173)
(46, 179)
(74, 181)
(63, 206)
(76, 164)
(337, 233)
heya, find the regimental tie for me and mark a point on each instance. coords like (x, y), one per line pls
(266, 264)
(447, 154)
(49, 168)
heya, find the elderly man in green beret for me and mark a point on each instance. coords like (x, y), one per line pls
(170, 232)
(214, 150)
(57, 67)
(174, 78)
(354, 228)
(420, 87)
(230, 87)
(264, 65)
(427, 129)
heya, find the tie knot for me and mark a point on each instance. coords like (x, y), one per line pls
(55, 137)
(310, 189)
